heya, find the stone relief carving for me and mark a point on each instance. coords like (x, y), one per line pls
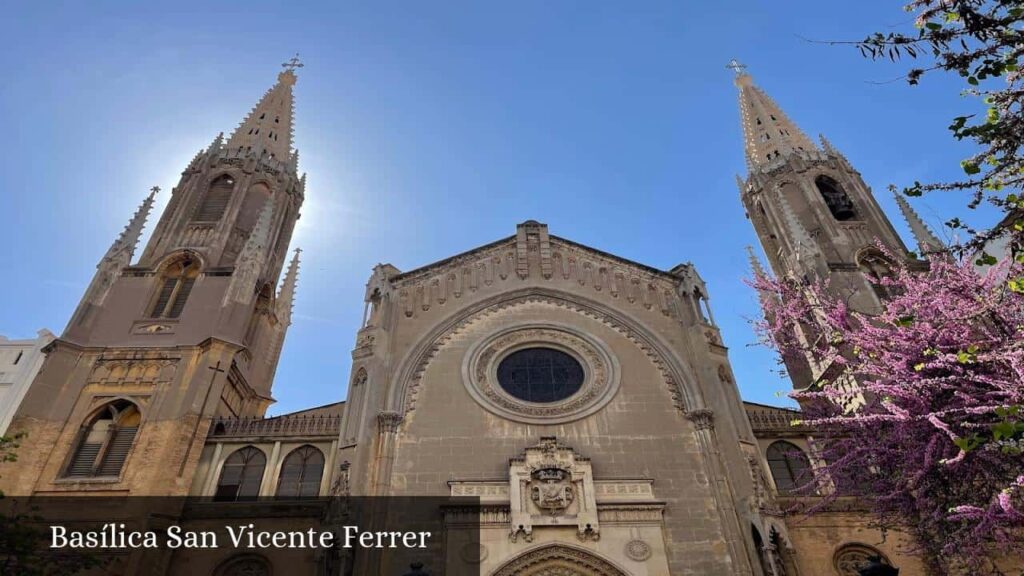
(550, 485)
(638, 550)
(600, 383)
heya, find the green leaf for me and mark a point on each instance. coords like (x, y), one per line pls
(918, 367)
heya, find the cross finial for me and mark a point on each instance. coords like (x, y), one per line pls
(292, 64)
(736, 67)
(154, 189)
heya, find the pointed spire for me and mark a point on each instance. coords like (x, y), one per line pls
(741, 184)
(249, 264)
(259, 238)
(767, 132)
(927, 241)
(268, 127)
(803, 244)
(286, 296)
(755, 263)
(123, 249)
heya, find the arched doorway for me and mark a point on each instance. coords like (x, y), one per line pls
(558, 560)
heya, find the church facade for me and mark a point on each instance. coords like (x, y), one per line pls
(587, 400)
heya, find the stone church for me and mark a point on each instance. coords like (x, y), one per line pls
(586, 399)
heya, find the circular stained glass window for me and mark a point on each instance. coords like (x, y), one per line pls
(541, 375)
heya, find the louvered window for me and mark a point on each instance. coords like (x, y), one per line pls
(242, 475)
(216, 199)
(301, 473)
(105, 442)
(175, 287)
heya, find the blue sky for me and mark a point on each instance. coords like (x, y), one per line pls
(429, 128)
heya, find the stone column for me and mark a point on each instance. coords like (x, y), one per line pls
(704, 430)
(387, 431)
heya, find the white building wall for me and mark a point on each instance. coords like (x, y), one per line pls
(20, 361)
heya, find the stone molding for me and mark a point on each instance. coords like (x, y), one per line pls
(409, 378)
(558, 555)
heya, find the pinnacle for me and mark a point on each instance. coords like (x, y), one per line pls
(926, 240)
(767, 132)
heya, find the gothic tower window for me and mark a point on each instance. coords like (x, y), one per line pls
(301, 473)
(104, 441)
(216, 199)
(839, 204)
(789, 465)
(851, 558)
(175, 285)
(241, 476)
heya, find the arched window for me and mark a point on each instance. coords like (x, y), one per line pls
(104, 441)
(789, 465)
(851, 558)
(241, 476)
(839, 204)
(175, 286)
(301, 473)
(216, 199)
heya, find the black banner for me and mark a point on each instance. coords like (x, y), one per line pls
(345, 536)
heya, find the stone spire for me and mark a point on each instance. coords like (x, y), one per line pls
(803, 245)
(755, 263)
(123, 249)
(927, 241)
(268, 127)
(249, 265)
(286, 296)
(767, 132)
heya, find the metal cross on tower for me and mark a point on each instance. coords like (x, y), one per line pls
(292, 64)
(736, 66)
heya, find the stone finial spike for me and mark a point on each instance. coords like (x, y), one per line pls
(123, 249)
(803, 244)
(741, 184)
(250, 262)
(286, 295)
(217, 143)
(767, 132)
(259, 238)
(268, 127)
(755, 263)
(927, 241)
(825, 144)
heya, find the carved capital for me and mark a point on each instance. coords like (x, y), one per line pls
(703, 419)
(389, 421)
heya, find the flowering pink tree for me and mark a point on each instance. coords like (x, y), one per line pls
(937, 446)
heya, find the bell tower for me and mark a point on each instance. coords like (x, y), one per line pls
(812, 211)
(191, 331)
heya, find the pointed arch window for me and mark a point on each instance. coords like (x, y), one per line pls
(175, 286)
(789, 465)
(301, 473)
(838, 202)
(104, 442)
(216, 199)
(241, 476)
